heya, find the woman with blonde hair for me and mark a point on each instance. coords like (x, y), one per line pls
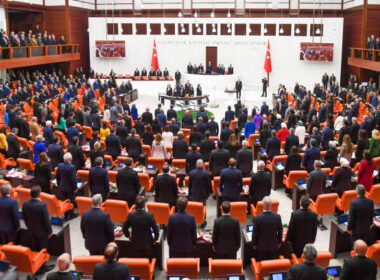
(249, 127)
(347, 148)
(159, 147)
(233, 145)
(374, 143)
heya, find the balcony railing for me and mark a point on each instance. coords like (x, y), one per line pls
(37, 51)
(366, 54)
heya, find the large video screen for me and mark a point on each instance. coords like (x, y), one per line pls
(317, 51)
(110, 48)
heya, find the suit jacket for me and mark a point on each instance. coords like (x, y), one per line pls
(244, 161)
(66, 177)
(311, 155)
(180, 148)
(308, 271)
(226, 228)
(260, 186)
(133, 145)
(99, 181)
(231, 183)
(113, 145)
(293, 162)
(181, 232)
(327, 136)
(48, 135)
(128, 183)
(111, 270)
(55, 153)
(142, 224)
(302, 229)
(199, 184)
(360, 216)
(9, 221)
(206, 148)
(273, 147)
(166, 189)
(316, 183)
(225, 135)
(13, 146)
(58, 275)
(267, 231)
(87, 119)
(78, 156)
(342, 179)
(36, 217)
(213, 127)
(359, 268)
(290, 141)
(218, 160)
(97, 229)
(191, 160)
(354, 132)
(147, 117)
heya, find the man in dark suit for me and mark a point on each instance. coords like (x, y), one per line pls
(229, 115)
(230, 70)
(290, 141)
(231, 182)
(307, 269)
(180, 147)
(312, 154)
(174, 127)
(187, 120)
(63, 273)
(37, 220)
(213, 126)
(261, 183)
(143, 225)
(206, 147)
(66, 181)
(191, 158)
(359, 267)
(267, 232)
(55, 153)
(238, 87)
(48, 133)
(111, 269)
(199, 183)
(128, 183)
(273, 145)
(302, 227)
(327, 136)
(171, 113)
(265, 86)
(165, 187)
(226, 133)
(360, 215)
(244, 159)
(325, 80)
(13, 144)
(181, 232)
(147, 117)
(342, 177)
(177, 76)
(346, 129)
(96, 227)
(226, 234)
(316, 183)
(355, 128)
(98, 179)
(9, 219)
(133, 146)
(77, 154)
(264, 110)
(218, 159)
(113, 144)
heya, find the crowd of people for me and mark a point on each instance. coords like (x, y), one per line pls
(22, 39)
(304, 121)
(200, 69)
(373, 42)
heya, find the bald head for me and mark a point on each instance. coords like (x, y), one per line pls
(360, 247)
(267, 203)
(63, 262)
(199, 163)
(111, 251)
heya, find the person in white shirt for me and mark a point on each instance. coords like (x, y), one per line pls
(300, 132)
(339, 122)
(167, 137)
(159, 147)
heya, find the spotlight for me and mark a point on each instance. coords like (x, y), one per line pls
(195, 14)
(183, 30)
(298, 30)
(281, 30)
(318, 31)
(199, 30)
(212, 14)
(229, 30)
(179, 14)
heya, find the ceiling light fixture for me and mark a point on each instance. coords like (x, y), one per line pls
(213, 29)
(199, 30)
(179, 14)
(212, 14)
(298, 31)
(281, 30)
(195, 14)
(265, 30)
(317, 31)
(229, 13)
(183, 30)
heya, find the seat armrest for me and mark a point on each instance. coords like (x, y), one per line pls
(172, 211)
(198, 265)
(41, 256)
(254, 266)
(294, 259)
(151, 184)
(209, 266)
(133, 208)
(152, 265)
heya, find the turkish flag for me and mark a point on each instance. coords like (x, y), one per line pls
(154, 63)
(268, 63)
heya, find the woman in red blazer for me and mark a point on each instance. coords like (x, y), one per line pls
(365, 173)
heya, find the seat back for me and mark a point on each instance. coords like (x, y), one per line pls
(112, 176)
(158, 162)
(144, 181)
(327, 170)
(374, 193)
(118, 209)
(186, 132)
(23, 194)
(25, 164)
(325, 203)
(215, 184)
(265, 268)
(188, 267)
(160, 211)
(323, 258)
(179, 163)
(51, 203)
(140, 267)
(88, 131)
(277, 159)
(223, 268)
(374, 253)
(147, 149)
(83, 175)
(346, 199)
(83, 203)
(294, 176)
(198, 210)
(274, 208)
(376, 162)
(239, 210)
(252, 138)
(86, 264)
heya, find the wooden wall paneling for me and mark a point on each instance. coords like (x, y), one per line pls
(112, 29)
(271, 29)
(170, 29)
(373, 22)
(55, 21)
(126, 28)
(255, 29)
(141, 28)
(286, 29)
(155, 28)
(240, 29)
(195, 29)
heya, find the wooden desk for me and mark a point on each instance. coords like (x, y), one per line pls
(256, 149)
(298, 192)
(277, 176)
(27, 181)
(158, 248)
(340, 239)
(203, 250)
(58, 244)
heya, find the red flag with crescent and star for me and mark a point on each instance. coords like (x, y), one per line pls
(154, 63)
(268, 62)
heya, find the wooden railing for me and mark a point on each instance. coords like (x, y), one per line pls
(37, 51)
(366, 54)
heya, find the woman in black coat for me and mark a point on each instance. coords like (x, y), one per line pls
(331, 157)
(363, 144)
(42, 173)
(97, 152)
(293, 161)
(148, 137)
(195, 137)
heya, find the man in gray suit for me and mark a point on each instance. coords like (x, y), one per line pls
(316, 184)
